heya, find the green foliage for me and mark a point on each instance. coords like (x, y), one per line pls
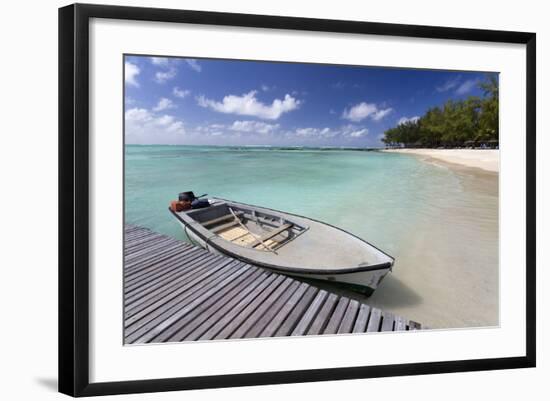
(454, 124)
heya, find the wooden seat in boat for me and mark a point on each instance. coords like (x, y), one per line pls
(221, 218)
(271, 234)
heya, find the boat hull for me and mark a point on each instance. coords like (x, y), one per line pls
(365, 282)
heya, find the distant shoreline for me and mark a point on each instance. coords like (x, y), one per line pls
(485, 159)
(266, 147)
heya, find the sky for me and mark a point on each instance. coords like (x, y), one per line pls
(171, 100)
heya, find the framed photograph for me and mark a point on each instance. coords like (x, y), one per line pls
(251, 199)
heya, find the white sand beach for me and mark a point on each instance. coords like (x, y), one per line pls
(446, 272)
(485, 159)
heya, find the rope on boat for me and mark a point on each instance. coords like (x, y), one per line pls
(249, 232)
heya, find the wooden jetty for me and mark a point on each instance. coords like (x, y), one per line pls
(174, 291)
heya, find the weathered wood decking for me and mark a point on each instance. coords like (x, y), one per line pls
(174, 291)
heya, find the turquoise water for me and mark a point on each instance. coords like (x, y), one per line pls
(440, 224)
(371, 194)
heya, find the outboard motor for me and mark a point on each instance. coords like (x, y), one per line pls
(196, 202)
(200, 203)
(184, 196)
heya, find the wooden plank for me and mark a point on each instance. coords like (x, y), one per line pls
(220, 219)
(147, 332)
(230, 297)
(151, 247)
(323, 316)
(141, 245)
(271, 234)
(261, 309)
(222, 308)
(270, 314)
(400, 323)
(176, 292)
(128, 227)
(414, 325)
(186, 286)
(246, 312)
(192, 319)
(146, 263)
(147, 273)
(360, 325)
(164, 270)
(282, 314)
(349, 317)
(234, 312)
(137, 232)
(163, 267)
(388, 319)
(217, 230)
(337, 316)
(133, 237)
(307, 318)
(152, 260)
(132, 259)
(140, 300)
(136, 246)
(153, 257)
(173, 298)
(374, 320)
(155, 265)
(234, 233)
(294, 316)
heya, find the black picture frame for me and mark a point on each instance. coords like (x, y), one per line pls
(74, 198)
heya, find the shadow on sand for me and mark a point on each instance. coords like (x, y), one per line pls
(392, 293)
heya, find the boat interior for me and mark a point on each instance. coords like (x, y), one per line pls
(247, 227)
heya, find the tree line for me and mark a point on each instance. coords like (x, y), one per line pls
(458, 123)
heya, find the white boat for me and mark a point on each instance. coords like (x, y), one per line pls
(286, 243)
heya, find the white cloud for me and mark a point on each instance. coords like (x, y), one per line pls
(164, 104)
(144, 126)
(211, 130)
(380, 114)
(346, 131)
(449, 84)
(165, 120)
(466, 86)
(249, 105)
(138, 115)
(314, 132)
(363, 110)
(254, 126)
(359, 133)
(163, 76)
(194, 64)
(265, 88)
(404, 120)
(181, 93)
(353, 131)
(131, 71)
(162, 61)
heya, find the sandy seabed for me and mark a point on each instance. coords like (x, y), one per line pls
(447, 275)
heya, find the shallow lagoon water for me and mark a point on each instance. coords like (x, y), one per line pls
(440, 223)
